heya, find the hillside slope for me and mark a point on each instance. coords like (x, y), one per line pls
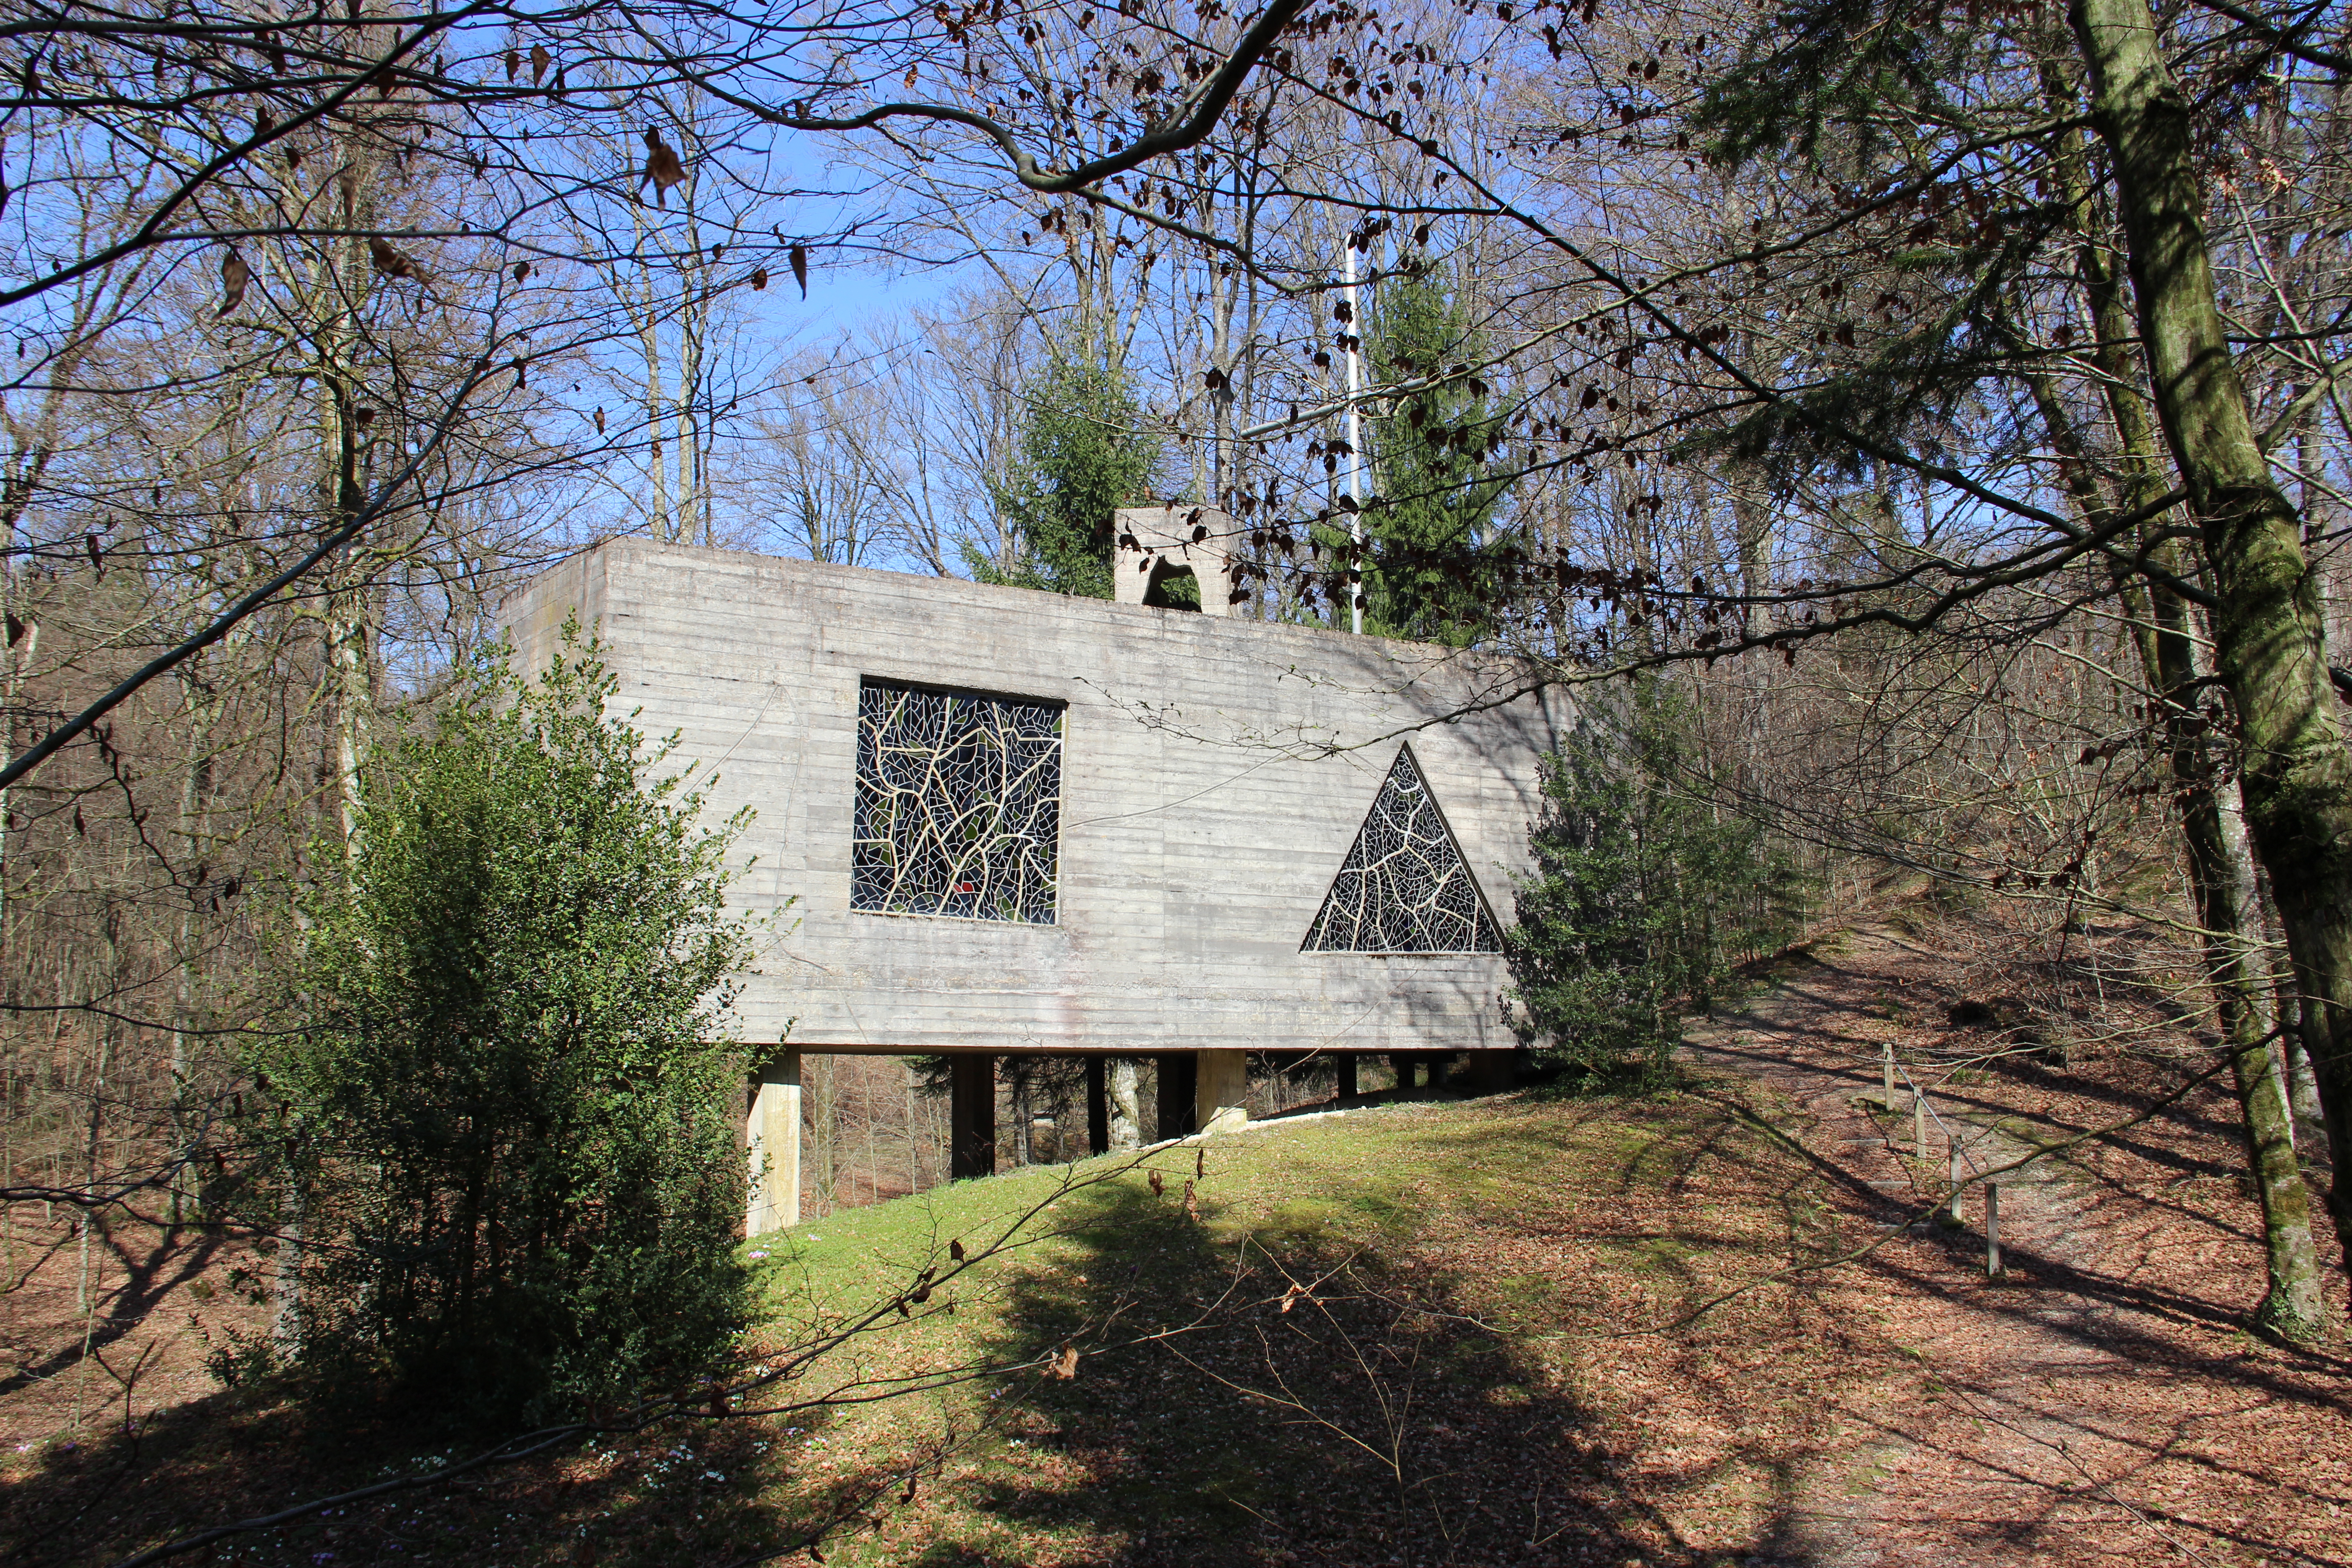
(1432, 1333)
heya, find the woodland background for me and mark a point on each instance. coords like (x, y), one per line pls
(1799, 356)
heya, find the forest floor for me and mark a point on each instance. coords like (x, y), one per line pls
(1519, 1331)
(2104, 1401)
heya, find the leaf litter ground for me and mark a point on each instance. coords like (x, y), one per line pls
(1434, 1333)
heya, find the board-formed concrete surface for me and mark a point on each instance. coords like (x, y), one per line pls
(1215, 772)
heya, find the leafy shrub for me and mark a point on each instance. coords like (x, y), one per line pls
(1645, 894)
(504, 1115)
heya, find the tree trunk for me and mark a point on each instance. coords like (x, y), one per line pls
(2221, 876)
(2269, 642)
(2294, 1307)
(1126, 1104)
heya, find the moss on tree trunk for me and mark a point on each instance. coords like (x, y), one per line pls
(2268, 643)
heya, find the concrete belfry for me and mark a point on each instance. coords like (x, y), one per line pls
(1157, 542)
(990, 822)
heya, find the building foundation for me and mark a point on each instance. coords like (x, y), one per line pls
(1221, 1090)
(972, 1115)
(775, 1143)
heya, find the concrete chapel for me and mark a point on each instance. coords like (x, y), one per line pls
(991, 821)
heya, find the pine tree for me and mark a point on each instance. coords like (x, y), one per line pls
(1080, 458)
(1437, 509)
(1644, 894)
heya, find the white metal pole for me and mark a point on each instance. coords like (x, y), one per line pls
(1355, 447)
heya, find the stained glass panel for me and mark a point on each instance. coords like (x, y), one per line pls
(1404, 886)
(959, 804)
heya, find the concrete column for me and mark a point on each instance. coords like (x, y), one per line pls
(1221, 1093)
(1097, 1108)
(1347, 1074)
(972, 1115)
(1179, 1072)
(1491, 1072)
(775, 1147)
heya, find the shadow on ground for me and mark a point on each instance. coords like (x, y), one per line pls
(1275, 1398)
(688, 1492)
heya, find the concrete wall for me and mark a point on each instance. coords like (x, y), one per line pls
(1204, 809)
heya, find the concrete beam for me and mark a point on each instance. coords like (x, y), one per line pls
(775, 1147)
(1221, 1091)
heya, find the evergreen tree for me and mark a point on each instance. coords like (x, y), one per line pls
(503, 1107)
(1080, 459)
(1437, 508)
(1644, 896)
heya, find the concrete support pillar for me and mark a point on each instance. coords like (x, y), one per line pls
(1347, 1060)
(1221, 1090)
(1178, 1073)
(775, 1147)
(1402, 1066)
(1097, 1108)
(972, 1115)
(1490, 1072)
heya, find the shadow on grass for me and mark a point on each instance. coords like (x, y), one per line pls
(1274, 1398)
(686, 1491)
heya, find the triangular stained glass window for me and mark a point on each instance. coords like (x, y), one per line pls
(1404, 886)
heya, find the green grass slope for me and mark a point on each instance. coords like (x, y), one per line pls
(1401, 1335)
(1415, 1334)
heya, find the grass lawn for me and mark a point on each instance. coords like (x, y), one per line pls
(1411, 1334)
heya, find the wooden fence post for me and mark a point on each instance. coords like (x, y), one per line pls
(1919, 1125)
(1993, 1269)
(1886, 1072)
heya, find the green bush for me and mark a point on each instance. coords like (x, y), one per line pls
(506, 1117)
(1645, 894)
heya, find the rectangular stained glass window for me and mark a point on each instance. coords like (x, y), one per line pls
(959, 804)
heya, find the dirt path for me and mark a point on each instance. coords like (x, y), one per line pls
(2103, 1403)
